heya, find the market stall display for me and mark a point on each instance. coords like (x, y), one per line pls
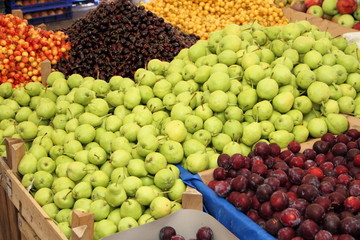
(117, 38)
(104, 133)
(43, 11)
(23, 47)
(204, 17)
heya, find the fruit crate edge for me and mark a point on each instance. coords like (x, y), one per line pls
(41, 6)
(25, 204)
(33, 221)
(51, 18)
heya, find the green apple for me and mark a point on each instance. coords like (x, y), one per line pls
(346, 20)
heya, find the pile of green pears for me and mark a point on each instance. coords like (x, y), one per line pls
(111, 147)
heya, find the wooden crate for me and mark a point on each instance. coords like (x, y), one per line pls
(21, 216)
(207, 176)
(26, 220)
(324, 25)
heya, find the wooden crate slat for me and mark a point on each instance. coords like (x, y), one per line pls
(8, 219)
(30, 209)
(192, 199)
(26, 230)
(82, 225)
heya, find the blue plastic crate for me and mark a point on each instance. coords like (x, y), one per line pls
(51, 18)
(41, 6)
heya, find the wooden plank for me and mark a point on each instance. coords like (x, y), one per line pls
(324, 25)
(82, 225)
(4, 218)
(26, 230)
(17, 13)
(30, 210)
(192, 199)
(45, 67)
(15, 150)
(42, 26)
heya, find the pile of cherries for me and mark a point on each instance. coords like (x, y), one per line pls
(293, 195)
(169, 233)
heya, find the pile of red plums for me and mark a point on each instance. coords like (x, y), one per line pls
(293, 195)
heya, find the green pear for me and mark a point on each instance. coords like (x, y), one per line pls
(262, 110)
(27, 164)
(145, 194)
(44, 196)
(131, 208)
(176, 191)
(104, 228)
(164, 179)
(160, 207)
(281, 137)
(98, 193)
(251, 133)
(317, 127)
(131, 184)
(127, 223)
(336, 123)
(318, 92)
(115, 195)
(82, 190)
(100, 208)
(51, 210)
(63, 215)
(43, 179)
(64, 199)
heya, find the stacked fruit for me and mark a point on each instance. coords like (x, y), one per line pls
(314, 194)
(23, 47)
(117, 38)
(83, 154)
(244, 85)
(202, 17)
(343, 12)
(44, 13)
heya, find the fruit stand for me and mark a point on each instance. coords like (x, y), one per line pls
(126, 121)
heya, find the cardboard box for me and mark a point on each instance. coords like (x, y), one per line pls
(325, 25)
(186, 222)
